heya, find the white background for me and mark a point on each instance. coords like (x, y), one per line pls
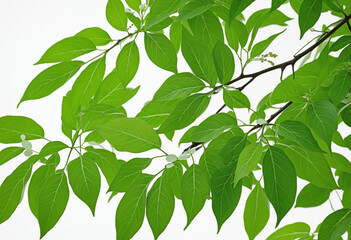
(27, 29)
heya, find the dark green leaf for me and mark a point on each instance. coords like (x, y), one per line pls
(116, 15)
(194, 8)
(161, 9)
(340, 87)
(224, 62)
(276, 4)
(335, 225)
(339, 162)
(97, 35)
(309, 13)
(291, 232)
(9, 153)
(174, 177)
(51, 148)
(238, 6)
(340, 43)
(127, 63)
(235, 99)
(312, 196)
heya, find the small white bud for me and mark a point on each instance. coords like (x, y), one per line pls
(26, 144)
(183, 156)
(261, 121)
(128, 10)
(143, 7)
(23, 137)
(28, 152)
(190, 151)
(171, 158)
(169, 165)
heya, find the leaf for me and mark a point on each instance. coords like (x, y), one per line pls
(54, 160)
(323, 119)
(276, 4)
(235, 99)
(335, 225)
(195, 189)
(175, 35)
(134, 4)
(130, 134)
(12, 188)
(291, 232)
(340, 87)
(116, 15)
(339, 162)
(12, 127)
(198, 58)
(154, 113)
(194, 8)
(50, 80)
(238, 6)
(298, 132)
(312, 196)
(224, 62)
(106, 161)
(127, 63)
(9, 153)
(51, 148)
(128, 173)
(159, 206)
(236, 33)
(161, 9)
(84, 178)
(67, 49)
(279, 180)
(161, 25)
(186, 112)
(248, 161)
(52, 201)
(340, 43)
(97, 35)
(256, 213)
(225, 197)
(309, 13)
(210, 128)
(260, 47)
(174, 177)
(131, 209)
(161, 51)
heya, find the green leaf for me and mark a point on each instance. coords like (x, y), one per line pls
(194, 8)
(116, 15)
(248, 160)
(12, 188)
(9, 153)
(340, 43)
(12, 127)
(54, 160)
(177, 86)
(235, 99)
(340, 87)
(238, 6)
(106, 161)
(161, 25)
(224, 62)
(335, 225)
(134, 4)
(97, 35)
(279, 180)
(127, 62)
(130, 134)
(256, 213)
(67, 49)
(128, 173)
(298, 132)
(174, 177)
(51, 148)
(339, 162)
(84, 178)
(134, 19)
(154, 113)
(175, 34)
(276, 4)
(50, 80)
(260, 47)
(159, 206)
(291, 232)
(236, 33)
(312, 196)
(161, 51)
(322, 118)
(131, 209)
(225, 197)
(195, 189)
(309, 13)
(210, 128)
(161, 9)
(198, 57)
(186, 112)
(52, 201)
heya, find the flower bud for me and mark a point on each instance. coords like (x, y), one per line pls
(171, 158)
(183, 156)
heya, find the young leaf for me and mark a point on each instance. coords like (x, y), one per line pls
(161, 25)
(84, 178)
(134, 4)
(161, 9)
(54, 160)
(130, 134)
(322, 118)
(175, 35)
(67, 49)
(12, 127)
(174, 177)
(224, 62)
(195, 189)
(312, 196)
(248, 160)
(260, 47)
(279, 180)
(12, 188)
(154, 113)
(9, 153)
(186, 112)
(127, 63)
(116, 15)
(51, 148)
(161, 51)
(159, 206)
(335, 225)
(194, 8)
(225, 197)
(339, 162)
(276, 4)
(309, 13)
(340, 43)
(291, 232)
(52, 201)
(50, 80)
(298, 132)
(131, 209)
(97, 35)
(236, 7)
(198, 58)
(340, 87)
(256, 213)
(235, 99)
